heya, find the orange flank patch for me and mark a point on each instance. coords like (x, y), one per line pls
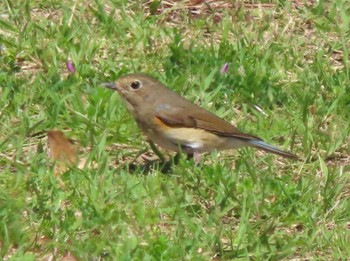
(160, 124)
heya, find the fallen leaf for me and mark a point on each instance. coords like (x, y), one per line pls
(61, 149)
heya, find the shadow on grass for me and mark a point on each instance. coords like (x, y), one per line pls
(164, 166)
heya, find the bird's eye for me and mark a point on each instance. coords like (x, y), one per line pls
(136, 85)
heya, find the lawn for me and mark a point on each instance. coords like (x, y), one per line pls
(288, 82)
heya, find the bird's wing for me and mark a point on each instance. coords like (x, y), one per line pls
(196, 117)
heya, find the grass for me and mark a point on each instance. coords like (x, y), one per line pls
(291, 60)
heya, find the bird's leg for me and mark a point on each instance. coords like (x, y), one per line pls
(156, 151)
(196, 156)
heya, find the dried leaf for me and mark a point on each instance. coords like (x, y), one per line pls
(62, 149)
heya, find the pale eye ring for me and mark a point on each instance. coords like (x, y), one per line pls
(135, 85)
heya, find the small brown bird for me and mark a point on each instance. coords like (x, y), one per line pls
(177, 124)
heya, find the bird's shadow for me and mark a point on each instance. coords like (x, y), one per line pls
(164, 167)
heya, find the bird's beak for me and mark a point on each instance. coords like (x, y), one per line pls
(110, 85)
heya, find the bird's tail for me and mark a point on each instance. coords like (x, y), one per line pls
(259, 144)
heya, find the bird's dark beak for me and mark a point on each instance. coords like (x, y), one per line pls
(110, 85)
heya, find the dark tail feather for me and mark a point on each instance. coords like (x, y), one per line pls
(269, 148)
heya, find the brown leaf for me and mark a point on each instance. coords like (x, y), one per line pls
(62, 149)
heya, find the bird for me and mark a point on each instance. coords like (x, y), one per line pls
(176, 124)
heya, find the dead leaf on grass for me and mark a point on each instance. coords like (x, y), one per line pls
(62, 150)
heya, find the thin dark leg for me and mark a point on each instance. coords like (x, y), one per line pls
(156, 151)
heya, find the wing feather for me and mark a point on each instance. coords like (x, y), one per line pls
(201, 119)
